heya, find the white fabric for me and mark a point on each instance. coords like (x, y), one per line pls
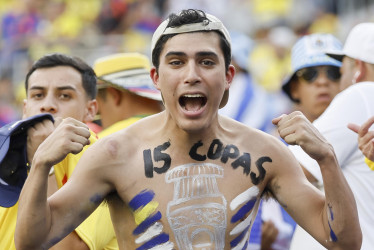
(358, 45)
(353, 105)
(271, 210)
(302, 240)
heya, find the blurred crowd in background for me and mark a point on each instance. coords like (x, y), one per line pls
(90, 29)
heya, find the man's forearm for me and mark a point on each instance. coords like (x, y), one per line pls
(341, 211)
(37, 227)
(34, 218)
(72, 241)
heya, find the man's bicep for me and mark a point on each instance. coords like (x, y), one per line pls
(297, 195)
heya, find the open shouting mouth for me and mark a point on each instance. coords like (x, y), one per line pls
(192, 102)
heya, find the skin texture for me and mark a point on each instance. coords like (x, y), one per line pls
(59, 91)
(179, 137)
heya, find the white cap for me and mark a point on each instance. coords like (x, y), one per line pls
(359, 44)
(214, 24)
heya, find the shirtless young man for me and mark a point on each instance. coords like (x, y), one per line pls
(187, 178)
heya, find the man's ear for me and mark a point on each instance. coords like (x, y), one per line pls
(230, 76)
(361, 72)
(154, 76)
(116, 95)
(91, 110)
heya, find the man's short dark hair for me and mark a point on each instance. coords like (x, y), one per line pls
(57, 59)
(188, 17)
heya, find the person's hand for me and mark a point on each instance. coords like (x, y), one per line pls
(37, 134)
(269, 233)
(365, 137)
(70, 136)
(296, 129)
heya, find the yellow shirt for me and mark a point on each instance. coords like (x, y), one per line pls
(96, 231)
(118, 126)
(8, 218)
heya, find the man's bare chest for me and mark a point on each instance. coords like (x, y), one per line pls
(207, 196)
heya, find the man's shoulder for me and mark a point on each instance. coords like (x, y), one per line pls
(251, 139)
(364, 88)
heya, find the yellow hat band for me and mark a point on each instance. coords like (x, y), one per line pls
(120, 62)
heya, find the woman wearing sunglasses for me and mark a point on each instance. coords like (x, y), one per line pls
(314, 79)
(313, 82)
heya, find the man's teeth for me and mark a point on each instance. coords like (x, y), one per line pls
(193, 95)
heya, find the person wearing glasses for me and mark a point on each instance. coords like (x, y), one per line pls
(314, 78)
(353, 105)
(312, 84)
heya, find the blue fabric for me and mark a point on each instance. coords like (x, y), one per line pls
(255, 238)
(247, 97)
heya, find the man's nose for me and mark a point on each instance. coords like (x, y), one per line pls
(192, 74)
(49, 105)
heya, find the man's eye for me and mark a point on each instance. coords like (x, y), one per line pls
(37, 95)
(207, 62)
(65, 96)
(175, 62)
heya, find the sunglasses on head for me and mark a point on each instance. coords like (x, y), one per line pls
(310, 74)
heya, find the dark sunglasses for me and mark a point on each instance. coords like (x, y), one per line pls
(310, 74)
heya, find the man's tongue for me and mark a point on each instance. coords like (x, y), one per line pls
(193, 104)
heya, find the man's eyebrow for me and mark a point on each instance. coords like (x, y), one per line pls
(67, 87)
(37, 88)
(199, 54)
(175, 53)
(207, 54)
